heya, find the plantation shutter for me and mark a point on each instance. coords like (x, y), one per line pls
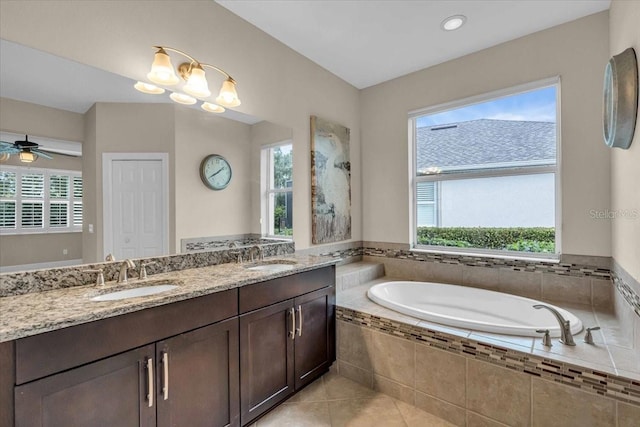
(58, 196)
(8, 204)
(32, 193)
(77, 201)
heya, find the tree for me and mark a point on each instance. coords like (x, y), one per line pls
(282, 168)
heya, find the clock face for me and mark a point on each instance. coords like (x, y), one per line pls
(215, 172)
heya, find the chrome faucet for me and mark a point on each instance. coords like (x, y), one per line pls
(126, 264)
(565, 326)
(257, 249)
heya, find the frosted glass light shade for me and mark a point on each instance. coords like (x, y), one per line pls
(212, 108)
(148, 88)
(197, 83)
(228, 95)
(162, 71)
(27, 156)
(181, 98)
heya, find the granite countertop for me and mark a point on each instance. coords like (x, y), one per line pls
(34, 313)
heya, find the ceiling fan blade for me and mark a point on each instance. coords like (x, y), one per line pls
(9, 150)
(41, 153)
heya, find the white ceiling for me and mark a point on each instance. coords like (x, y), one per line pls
(367, 42)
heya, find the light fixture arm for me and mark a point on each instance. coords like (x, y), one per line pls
(193, 60)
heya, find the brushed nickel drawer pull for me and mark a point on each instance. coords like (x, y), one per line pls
(299, 321)
(165, 381)
(150, 381)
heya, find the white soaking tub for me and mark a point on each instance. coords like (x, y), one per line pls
(470, 308)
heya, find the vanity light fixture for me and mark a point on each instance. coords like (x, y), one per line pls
(181, 98)
(193, 73)
(148, 88)
(453, 22)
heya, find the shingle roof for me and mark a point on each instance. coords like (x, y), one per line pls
(485, 141)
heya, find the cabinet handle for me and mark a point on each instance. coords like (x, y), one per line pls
(165, 381)
(299, 321)
(292, 332)
(150, 381)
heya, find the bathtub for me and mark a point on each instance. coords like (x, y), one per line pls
(470, 308)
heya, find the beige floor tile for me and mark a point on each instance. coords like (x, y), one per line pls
(477, 420)
(377, 412)
(314, 392)
(301, 414)
(393, 389)
(359, 375)
(415, 417)
(339, 387)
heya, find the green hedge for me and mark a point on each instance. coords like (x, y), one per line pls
(537, 239)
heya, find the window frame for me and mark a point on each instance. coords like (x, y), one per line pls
(46, 201)
(511, 170)
(266, 184)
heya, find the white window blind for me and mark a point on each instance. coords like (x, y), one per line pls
(39, 200)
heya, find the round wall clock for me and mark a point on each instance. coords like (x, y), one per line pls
(620, 99)
(215, 172)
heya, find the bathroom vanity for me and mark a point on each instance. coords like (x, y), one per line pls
(221, 358)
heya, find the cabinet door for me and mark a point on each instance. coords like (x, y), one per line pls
(315, 337)
(198, 377)
(266, 358)
(111, 392)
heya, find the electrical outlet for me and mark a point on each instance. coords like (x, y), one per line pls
(90, 228)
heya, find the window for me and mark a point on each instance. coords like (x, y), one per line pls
(277, 200)
(39, 200)
(486, 173)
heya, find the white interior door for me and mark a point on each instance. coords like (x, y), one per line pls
(135, 208)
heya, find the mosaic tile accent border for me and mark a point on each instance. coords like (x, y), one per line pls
(565, 269)
(585, 379)
(65, 277)
(627, 292)
(223, 242)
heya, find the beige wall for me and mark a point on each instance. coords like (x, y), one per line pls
(122, 128)
(576, 51)
(201, 212)
(23, 117)
(624, 32)
(274, 82)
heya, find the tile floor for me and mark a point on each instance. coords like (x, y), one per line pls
(335, 401)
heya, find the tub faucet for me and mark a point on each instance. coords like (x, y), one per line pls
(565, 326)
(122, 276)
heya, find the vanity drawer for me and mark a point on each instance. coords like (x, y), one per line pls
(45, 354)
(258, 295)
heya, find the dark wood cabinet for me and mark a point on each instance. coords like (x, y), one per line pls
(283, 347)
(198, 377)
(218, 360)
(111, 392)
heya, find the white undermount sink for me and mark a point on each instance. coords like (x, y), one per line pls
(142, 291)
(273, 265)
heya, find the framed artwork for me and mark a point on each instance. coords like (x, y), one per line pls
(330, 182)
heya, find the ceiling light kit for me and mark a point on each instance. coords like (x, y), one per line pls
(196, 85)
(453, 22)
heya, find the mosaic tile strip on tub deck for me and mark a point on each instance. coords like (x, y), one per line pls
(589, 380)
(565, 269)
(627, 293)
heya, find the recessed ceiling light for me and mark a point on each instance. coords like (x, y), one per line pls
(453, 22)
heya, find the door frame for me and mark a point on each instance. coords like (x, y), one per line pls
(107, 194)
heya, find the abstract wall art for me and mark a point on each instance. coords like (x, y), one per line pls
(330, 182)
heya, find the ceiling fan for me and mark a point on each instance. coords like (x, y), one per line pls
(27, 151)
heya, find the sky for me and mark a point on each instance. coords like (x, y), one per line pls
(538, 105)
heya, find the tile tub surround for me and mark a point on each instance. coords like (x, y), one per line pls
(375, 348)
(35, 313)
(65, 277)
